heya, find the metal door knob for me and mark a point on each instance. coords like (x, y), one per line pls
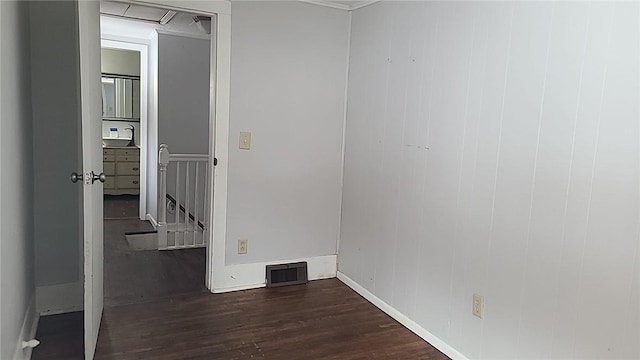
(75, 177)
(102, 177)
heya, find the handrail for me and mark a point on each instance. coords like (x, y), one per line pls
(191, 217)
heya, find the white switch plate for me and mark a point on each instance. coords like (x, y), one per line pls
(245, 140)
(478, 305)
(242, 246)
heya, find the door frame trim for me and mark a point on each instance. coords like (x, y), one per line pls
(145, 119)
(220, 86)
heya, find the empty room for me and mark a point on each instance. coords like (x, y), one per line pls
(366, 180)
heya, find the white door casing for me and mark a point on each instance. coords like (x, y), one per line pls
(91, 145)
(220, 84)
(89, 49)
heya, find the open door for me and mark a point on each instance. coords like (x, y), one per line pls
(91, 112)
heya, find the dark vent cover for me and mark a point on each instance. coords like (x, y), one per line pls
(287, 274)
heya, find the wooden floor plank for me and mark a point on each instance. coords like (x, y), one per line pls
(321, 320)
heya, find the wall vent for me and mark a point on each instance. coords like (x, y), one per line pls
(287, 274)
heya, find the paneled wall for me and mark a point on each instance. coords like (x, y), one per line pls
(493, 149)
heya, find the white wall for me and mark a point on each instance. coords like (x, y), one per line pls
(16, 177)
(121, 62)
(493, 148)
(183, 93)
(288, 67)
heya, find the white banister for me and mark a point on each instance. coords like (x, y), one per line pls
(191, 231)
(163, 160)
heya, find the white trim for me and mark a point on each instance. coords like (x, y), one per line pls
(59, 299)
(28, 331)
(363, 4)
(403, 319)
(251, 276)
(153, 221)
(182, 34)
(213, 7)
(144, 111)
(327, 4)
(354, 6)
(344, 136)
(219, 135)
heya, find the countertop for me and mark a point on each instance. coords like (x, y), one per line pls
(121, 147)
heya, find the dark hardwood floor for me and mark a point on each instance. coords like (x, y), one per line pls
(156, 307)
(321, 320)
(61, 337)
(121, 206)
(131, 276)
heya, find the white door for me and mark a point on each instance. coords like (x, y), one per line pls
(91, 99)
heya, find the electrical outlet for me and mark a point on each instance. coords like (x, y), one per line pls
(478, 305)
(245, 140)
(242, 246)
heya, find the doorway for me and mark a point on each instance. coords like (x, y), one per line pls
(93, 259)
(124, 85)
(176, 96)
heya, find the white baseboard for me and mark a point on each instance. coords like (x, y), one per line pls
(403, 319)
(153, 221)
(251, 276)
(61, 298)
(28, 331)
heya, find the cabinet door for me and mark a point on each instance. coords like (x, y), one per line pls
(128, 168)
(128, 182)
(109, 168)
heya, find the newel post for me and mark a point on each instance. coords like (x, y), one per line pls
(163, 162)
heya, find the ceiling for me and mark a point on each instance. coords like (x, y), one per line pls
(130, 11)
(162, 16)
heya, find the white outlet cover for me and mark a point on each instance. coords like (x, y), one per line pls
(478, 306)
(242, 246)
(245, 140)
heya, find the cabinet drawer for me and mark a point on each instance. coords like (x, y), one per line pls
(109, 168)
(109, 158)
(128, 182)
(128, 152)
(128, 168)
(127, 158)
(110, 183)
(108, 151)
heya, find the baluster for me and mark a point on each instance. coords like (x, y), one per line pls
(195, 203)
(187, 208)
(177, 202)
(207, 189)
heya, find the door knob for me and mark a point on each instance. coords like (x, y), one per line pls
(75, 177)
(102, 177)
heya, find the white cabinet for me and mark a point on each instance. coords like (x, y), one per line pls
(122, 167)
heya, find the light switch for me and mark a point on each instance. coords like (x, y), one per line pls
(245, 140)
